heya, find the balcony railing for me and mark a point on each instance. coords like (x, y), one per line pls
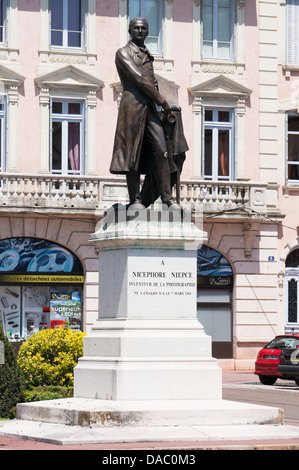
(92, 195)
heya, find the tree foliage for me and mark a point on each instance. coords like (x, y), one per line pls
(11, 379)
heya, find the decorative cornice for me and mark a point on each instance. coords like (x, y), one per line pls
(69, 77)
(9, 77)
(220, 87)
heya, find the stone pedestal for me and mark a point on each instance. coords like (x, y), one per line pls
(147, 343)
(147, 363)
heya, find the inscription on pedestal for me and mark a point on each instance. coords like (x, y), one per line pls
(160, 283)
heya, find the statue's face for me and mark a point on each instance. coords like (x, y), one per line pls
(139, 31)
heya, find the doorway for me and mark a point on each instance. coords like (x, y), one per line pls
(292, 293)
(214, 300)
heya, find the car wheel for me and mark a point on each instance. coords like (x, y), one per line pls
(297, 381)
(267, 380)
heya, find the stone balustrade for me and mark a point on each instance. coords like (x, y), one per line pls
(92, 195)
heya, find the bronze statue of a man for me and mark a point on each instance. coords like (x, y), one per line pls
(140, 145)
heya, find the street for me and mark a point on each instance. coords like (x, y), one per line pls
(246, 387)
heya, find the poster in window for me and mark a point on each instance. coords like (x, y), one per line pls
(65, 308)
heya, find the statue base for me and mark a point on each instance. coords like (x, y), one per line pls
(147, 361)
(147, 343)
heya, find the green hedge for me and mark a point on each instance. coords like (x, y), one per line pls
(51, 392)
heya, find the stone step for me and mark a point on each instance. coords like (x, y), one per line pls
(109, 413)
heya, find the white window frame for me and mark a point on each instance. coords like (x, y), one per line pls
(66, 118)
(3, 134)
(223, 93)
(288, 162)
(216, 126)
(51, 55)
(215, 39)
(4, 26)
(64, 45)
(142, 14)
(292, 33)
(73, 84)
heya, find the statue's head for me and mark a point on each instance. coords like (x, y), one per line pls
(138, 29)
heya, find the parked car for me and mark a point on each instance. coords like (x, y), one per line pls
(267, 362)
(288, 365)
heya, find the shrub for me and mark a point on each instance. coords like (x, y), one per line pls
(51, 392)
(49, 357)
(11, 380)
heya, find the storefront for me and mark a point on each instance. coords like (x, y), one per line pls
(214, 299)
(40, 287)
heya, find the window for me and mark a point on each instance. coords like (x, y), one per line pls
(67, 23)
(152, 11)
(3, 8)
(2, 137)
(292, 34)
(293, 147)
(218, 21)
(218, 144)
(67, 138)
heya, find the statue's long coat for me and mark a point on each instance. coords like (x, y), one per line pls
(139, 92)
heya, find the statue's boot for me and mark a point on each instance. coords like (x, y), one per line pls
(163, 179)
(133, 184)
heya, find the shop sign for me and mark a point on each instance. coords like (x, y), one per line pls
(215, 281)
(40, 278)
(220, 281)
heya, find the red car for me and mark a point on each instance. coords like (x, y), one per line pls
(268, 358)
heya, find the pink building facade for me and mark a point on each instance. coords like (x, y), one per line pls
(236, 67)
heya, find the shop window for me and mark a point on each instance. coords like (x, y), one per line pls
(214, 302)
(27, 309)
(40, 287)
(152, 11)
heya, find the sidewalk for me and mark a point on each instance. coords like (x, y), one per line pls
(246, 437)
